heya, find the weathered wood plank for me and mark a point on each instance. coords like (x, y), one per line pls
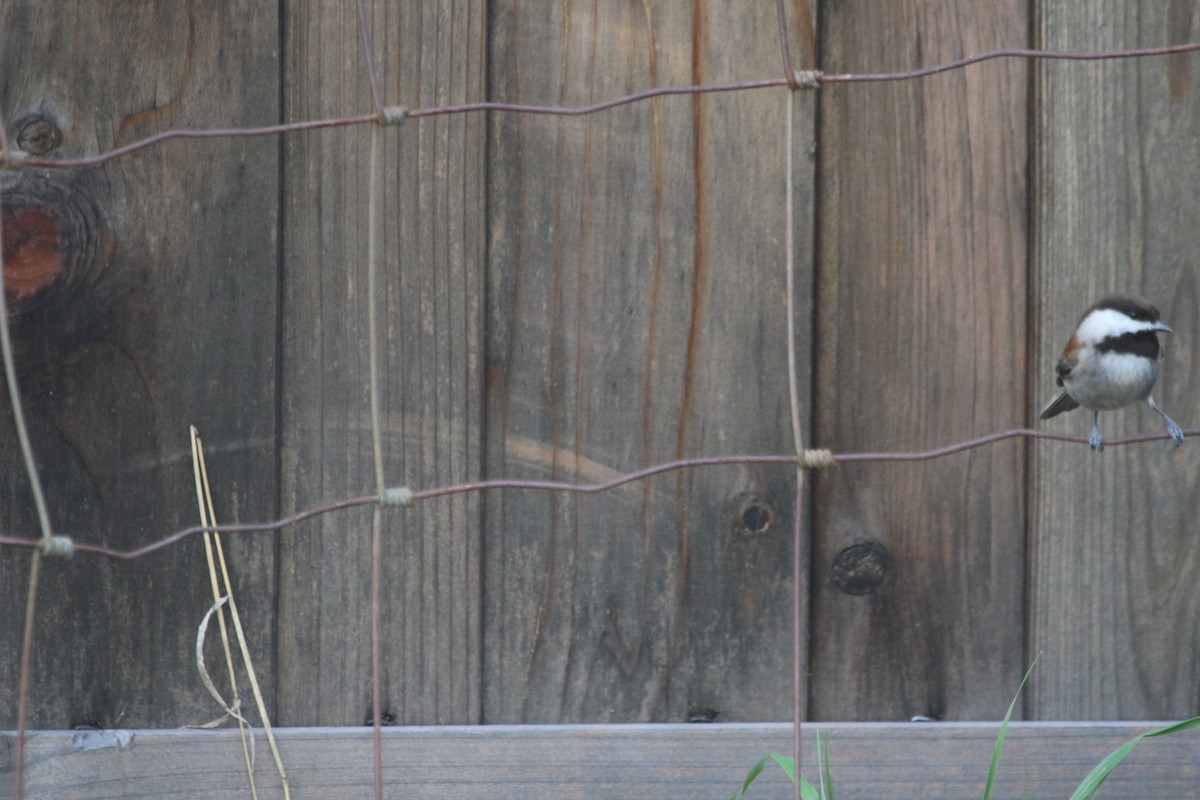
(636, 315)
(431, 333)
(164, 316)
(1112, 536)
(868, 761)
(921, 341)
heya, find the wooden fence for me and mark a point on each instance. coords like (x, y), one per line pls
(570, 298)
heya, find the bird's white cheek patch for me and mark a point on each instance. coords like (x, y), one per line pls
(1107, 322)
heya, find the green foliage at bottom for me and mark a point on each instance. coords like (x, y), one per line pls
(1085, 791)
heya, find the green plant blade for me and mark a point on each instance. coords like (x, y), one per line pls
(754, 772)
(1175, 727)
(787, 764)
(999, 746)
(1101, 771)
(823, 766)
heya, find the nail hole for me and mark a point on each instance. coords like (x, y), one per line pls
(754, 516)
(757, 519)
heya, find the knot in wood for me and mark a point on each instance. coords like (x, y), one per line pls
(49, 236)
(37, 135)
(860, 568)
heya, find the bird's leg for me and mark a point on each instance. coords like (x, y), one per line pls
(1096, 440)
(1173, 429)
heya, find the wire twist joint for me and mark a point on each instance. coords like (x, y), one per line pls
(13, 159)
(807, 79)
(392, 115)
(396, 497)
(818, 459)
(57, 546)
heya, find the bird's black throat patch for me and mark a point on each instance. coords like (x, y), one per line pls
(1139, 343)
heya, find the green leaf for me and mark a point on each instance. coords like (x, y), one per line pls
(1176, 727)
(823, 765)
(987, 788)
(1087, 789)
(788, 765)
(754, 772)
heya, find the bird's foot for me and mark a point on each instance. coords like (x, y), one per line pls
(1175, 431)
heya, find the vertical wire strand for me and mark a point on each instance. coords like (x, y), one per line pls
(14, 394)
(39, 500)
(373, 211)
(785, 48)
(798, 549)
(23, 682)
(373, 310)
(364, 30)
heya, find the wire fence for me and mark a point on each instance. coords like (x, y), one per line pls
(53, 544)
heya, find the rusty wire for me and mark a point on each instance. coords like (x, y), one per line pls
(581, 488)
(593, 108)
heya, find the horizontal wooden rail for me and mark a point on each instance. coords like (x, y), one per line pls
(868, 760)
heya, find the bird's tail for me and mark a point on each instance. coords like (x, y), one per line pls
(1058, 405)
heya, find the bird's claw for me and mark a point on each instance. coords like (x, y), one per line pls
(1175, 431)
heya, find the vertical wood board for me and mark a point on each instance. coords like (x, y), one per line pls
(918, 572)
(430, 313)
(163, 316)
(1113, 544)
(165, 319)
(637, 315)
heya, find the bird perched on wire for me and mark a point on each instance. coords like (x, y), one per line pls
(1110, 361)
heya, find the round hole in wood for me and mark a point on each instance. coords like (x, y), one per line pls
(753, 516)
(757, 519)
(860, 568)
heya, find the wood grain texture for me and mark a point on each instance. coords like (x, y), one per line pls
(636, 315)
(936, 761)
(431, 338)
(1113, 545)
(604, 293)
(920, 342)
(167, 319)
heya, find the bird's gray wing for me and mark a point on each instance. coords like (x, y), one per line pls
(1064, 402)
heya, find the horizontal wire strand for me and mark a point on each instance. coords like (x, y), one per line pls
(810, 459)
(396, 114)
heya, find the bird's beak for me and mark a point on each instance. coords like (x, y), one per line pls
(1162, 326)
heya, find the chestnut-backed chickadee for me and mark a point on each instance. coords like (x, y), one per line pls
(1110, 361)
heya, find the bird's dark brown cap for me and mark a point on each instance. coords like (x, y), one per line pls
(1130, 305)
